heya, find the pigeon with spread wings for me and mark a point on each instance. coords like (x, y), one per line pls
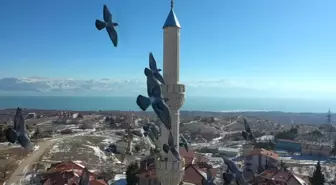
(19, 133)
(247, 134)
(153, 67)
(209, 178)
(109, 25)
(236, 173)
(155, 99)
(85, 177)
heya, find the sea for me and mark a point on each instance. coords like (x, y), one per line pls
(213, 104)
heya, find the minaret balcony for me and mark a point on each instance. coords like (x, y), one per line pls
(176, 95)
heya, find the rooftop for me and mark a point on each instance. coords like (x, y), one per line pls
(171, 20)
(261, 151)
(280, 176)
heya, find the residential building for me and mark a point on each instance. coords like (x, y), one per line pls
(278, 177)
(194, 169)
(67, 173)
(260, 159)
(288, 145)
(316, 149)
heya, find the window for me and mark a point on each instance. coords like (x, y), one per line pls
(249, 157)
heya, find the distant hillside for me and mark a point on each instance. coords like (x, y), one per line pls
(277, 117)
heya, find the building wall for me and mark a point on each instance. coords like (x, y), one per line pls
(288, 146)
(315, 150)
(148, 181)
(252, 162)
(293, 181)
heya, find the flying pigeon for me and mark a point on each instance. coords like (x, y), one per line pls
(153, 128)
(165, 148)
(247, 126)
(151, 136)
(155, 99)
(171, 147)
(237, 174)
(155, 131)
(171, 140)
(137, 133)
(19, 134)
(184, 143)
(16, 118)
(247, 134)
(85, 177)
(109, 25)
(209, 179)
(153, 67)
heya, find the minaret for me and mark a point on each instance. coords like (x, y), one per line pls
(170, 171)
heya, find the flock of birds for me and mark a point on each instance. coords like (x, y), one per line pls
(19, 134)
(158, 103)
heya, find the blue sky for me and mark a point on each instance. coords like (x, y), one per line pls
(284, 43)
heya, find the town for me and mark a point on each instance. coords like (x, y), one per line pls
(111, 143)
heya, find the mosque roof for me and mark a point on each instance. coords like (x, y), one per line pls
(171, 20)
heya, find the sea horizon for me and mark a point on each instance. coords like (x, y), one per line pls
(205, 104)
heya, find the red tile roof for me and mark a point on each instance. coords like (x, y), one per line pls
(188, 156)
(276, 176)
(194, 173)
(261, 151)
(69, 173)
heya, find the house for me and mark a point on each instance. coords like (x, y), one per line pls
(259, 159)
(314, 149)
(288, 145)
(31, 115)
(276, 176)
(68, 173)
(195, 172)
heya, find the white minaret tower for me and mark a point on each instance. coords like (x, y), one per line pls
(170, 171)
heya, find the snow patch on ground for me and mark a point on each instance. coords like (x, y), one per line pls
(98, 152)
(36, 147)
(58, 148)
(328, 171)
(109, 141)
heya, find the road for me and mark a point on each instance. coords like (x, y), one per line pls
(25, 165)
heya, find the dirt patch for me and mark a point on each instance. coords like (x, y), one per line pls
(9, 161)
(89, 149)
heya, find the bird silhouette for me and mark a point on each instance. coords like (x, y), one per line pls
(109, 25)
(85, 177)
(209, 178)
(237, 174)
(247, 134)
(153, 67)
(154, 130)
(19, 133)
(171, 147)
(184, 143)
(155, 99)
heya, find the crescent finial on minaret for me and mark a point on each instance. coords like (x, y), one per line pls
(171, 4)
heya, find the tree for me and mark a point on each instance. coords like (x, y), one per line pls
(283, 166)
(318, 177)
(333, 151)
(131, 174)
(37, 133)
